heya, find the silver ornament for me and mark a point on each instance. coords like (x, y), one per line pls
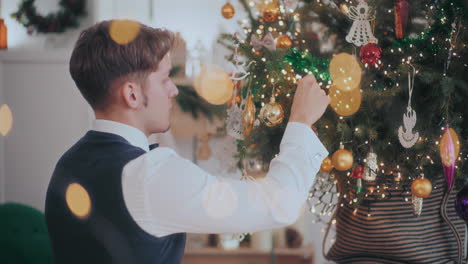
(417, 205)
(371, 167)
(405, 133)
(234, 124)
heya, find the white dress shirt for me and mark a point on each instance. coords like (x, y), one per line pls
(167, 194)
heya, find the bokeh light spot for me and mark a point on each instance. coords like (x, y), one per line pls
(124, 31)
(78, 200)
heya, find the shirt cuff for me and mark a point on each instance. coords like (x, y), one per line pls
(299, 134)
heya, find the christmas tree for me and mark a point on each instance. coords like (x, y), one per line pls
(396, 75)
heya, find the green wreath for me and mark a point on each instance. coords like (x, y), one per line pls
(67, 17)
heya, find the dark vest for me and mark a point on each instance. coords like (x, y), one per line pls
(108, 234)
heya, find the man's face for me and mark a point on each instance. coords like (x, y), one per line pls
(158, 93)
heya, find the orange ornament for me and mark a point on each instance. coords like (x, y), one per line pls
(421, 187)
(283, 42)
(248, 115)
(228, 10)
(271, 12)
(327, 165)
(342, 159)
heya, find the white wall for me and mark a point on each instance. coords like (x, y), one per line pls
(49, 115)
(2, 145)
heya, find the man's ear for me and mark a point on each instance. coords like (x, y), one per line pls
(130, 93)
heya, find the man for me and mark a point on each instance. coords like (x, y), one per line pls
(113, 200)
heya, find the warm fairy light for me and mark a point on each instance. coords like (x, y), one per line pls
(124, 31)
(6, 119)
(355, 211)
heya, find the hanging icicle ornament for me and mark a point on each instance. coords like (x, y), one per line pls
(401, 10)
(248, 115)
(449, 148)
(405, 134)
(360, 32)
(371, 167)
(417, 205)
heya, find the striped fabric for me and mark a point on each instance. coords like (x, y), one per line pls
(392, 234)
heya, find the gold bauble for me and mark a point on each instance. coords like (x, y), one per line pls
(342, 159)
(271, 12)
(214, 85)
(272, 114)
(228, 10)
(421, 187)
(345, 103)
(326, 165)
(446, 158)
(253, 167)
(283, 42)
(248, 115)
(345, 72)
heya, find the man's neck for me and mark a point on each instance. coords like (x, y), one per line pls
(121, 118)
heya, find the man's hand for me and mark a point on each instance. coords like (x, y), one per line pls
(309, 102)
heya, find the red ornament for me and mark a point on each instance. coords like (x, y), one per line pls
(370, 55)
(401, 9)
(357, 172)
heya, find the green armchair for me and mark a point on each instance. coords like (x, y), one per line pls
(23, 235)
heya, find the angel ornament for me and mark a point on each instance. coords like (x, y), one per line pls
(405, 134)
(238, 69)
(234, 125)
(360, 32)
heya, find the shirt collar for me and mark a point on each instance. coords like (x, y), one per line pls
(132, 134)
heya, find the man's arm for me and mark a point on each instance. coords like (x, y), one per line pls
(167, 194)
